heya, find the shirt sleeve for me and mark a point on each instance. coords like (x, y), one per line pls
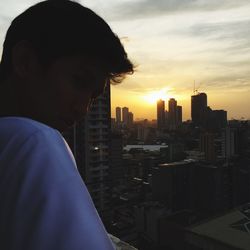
(53, 209)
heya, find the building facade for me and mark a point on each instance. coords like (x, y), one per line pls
(125, 118)
(118, 115)
(199, 108)
(161, 114)
(172, 111)
(89, 141)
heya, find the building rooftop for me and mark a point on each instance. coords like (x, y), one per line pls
(232, 228)
(178, 163)
(145, 147)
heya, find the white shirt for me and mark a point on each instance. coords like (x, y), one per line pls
(44, 204)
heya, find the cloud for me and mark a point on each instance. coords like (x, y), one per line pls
(228, 42)
(148, 8)
(222, 30)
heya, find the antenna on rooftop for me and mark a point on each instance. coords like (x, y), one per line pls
(196, 89)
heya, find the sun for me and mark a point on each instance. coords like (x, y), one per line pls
(154, 96)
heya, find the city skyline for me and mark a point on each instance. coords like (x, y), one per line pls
(173, 44)
(199, 113)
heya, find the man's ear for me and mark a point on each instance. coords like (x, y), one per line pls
(24, 59)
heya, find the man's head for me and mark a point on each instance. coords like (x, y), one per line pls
(60, 55)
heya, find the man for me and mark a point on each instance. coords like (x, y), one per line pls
(57, 57)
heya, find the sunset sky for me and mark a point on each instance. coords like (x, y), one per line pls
(174, 43)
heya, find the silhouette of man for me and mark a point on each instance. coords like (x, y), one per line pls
(57, 57)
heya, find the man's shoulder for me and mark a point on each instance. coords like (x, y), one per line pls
(21, 128)
(22, 123)
(30, 145)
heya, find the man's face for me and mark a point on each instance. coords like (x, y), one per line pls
(62, 93)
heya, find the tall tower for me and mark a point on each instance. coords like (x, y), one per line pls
(160, 114)
(130, 119)
(125, 115)
(179, 115)
(172, 111)
(90, 143)
(199, 109)
(118, 115)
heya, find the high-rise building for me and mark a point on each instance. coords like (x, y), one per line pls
(179, 115)
(125, 116)
(199, 109)
(218, 119)
(172, 111)
(113, 124)
(90, 144)
(160, 114)
(118, 115)
(166, 118)
(142, 132)
(229, 142)
(130, 119)
(207, 145)
(171, 183)
(116, 167)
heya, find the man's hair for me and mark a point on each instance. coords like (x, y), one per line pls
(65, 28)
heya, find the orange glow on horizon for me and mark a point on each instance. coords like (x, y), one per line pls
(144, 105)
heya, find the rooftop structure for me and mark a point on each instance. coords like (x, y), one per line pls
(229, 231)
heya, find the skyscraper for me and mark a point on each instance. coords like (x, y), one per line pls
(90, 144)
(172, 111)
(130, 119)
(118, 115)
(125, 116)
(166, 118)
(199, 109)
(179, 115)
(160, 114)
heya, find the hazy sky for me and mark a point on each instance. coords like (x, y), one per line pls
(175, 42)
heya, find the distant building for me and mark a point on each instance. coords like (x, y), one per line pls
(142, 132)
(229, 231)
(230, 141)
(160, 114)
(166, 118)
(218, 119)
(118, 115)
(171, 184)
(199, 109)
(130, 119)
(175, 152)
(182, 230)
(236, 141)
(125, 118)
(179, 115)
(207, 145)
(189, 184)
(243, 132)
(113, 124)
(172, 111)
